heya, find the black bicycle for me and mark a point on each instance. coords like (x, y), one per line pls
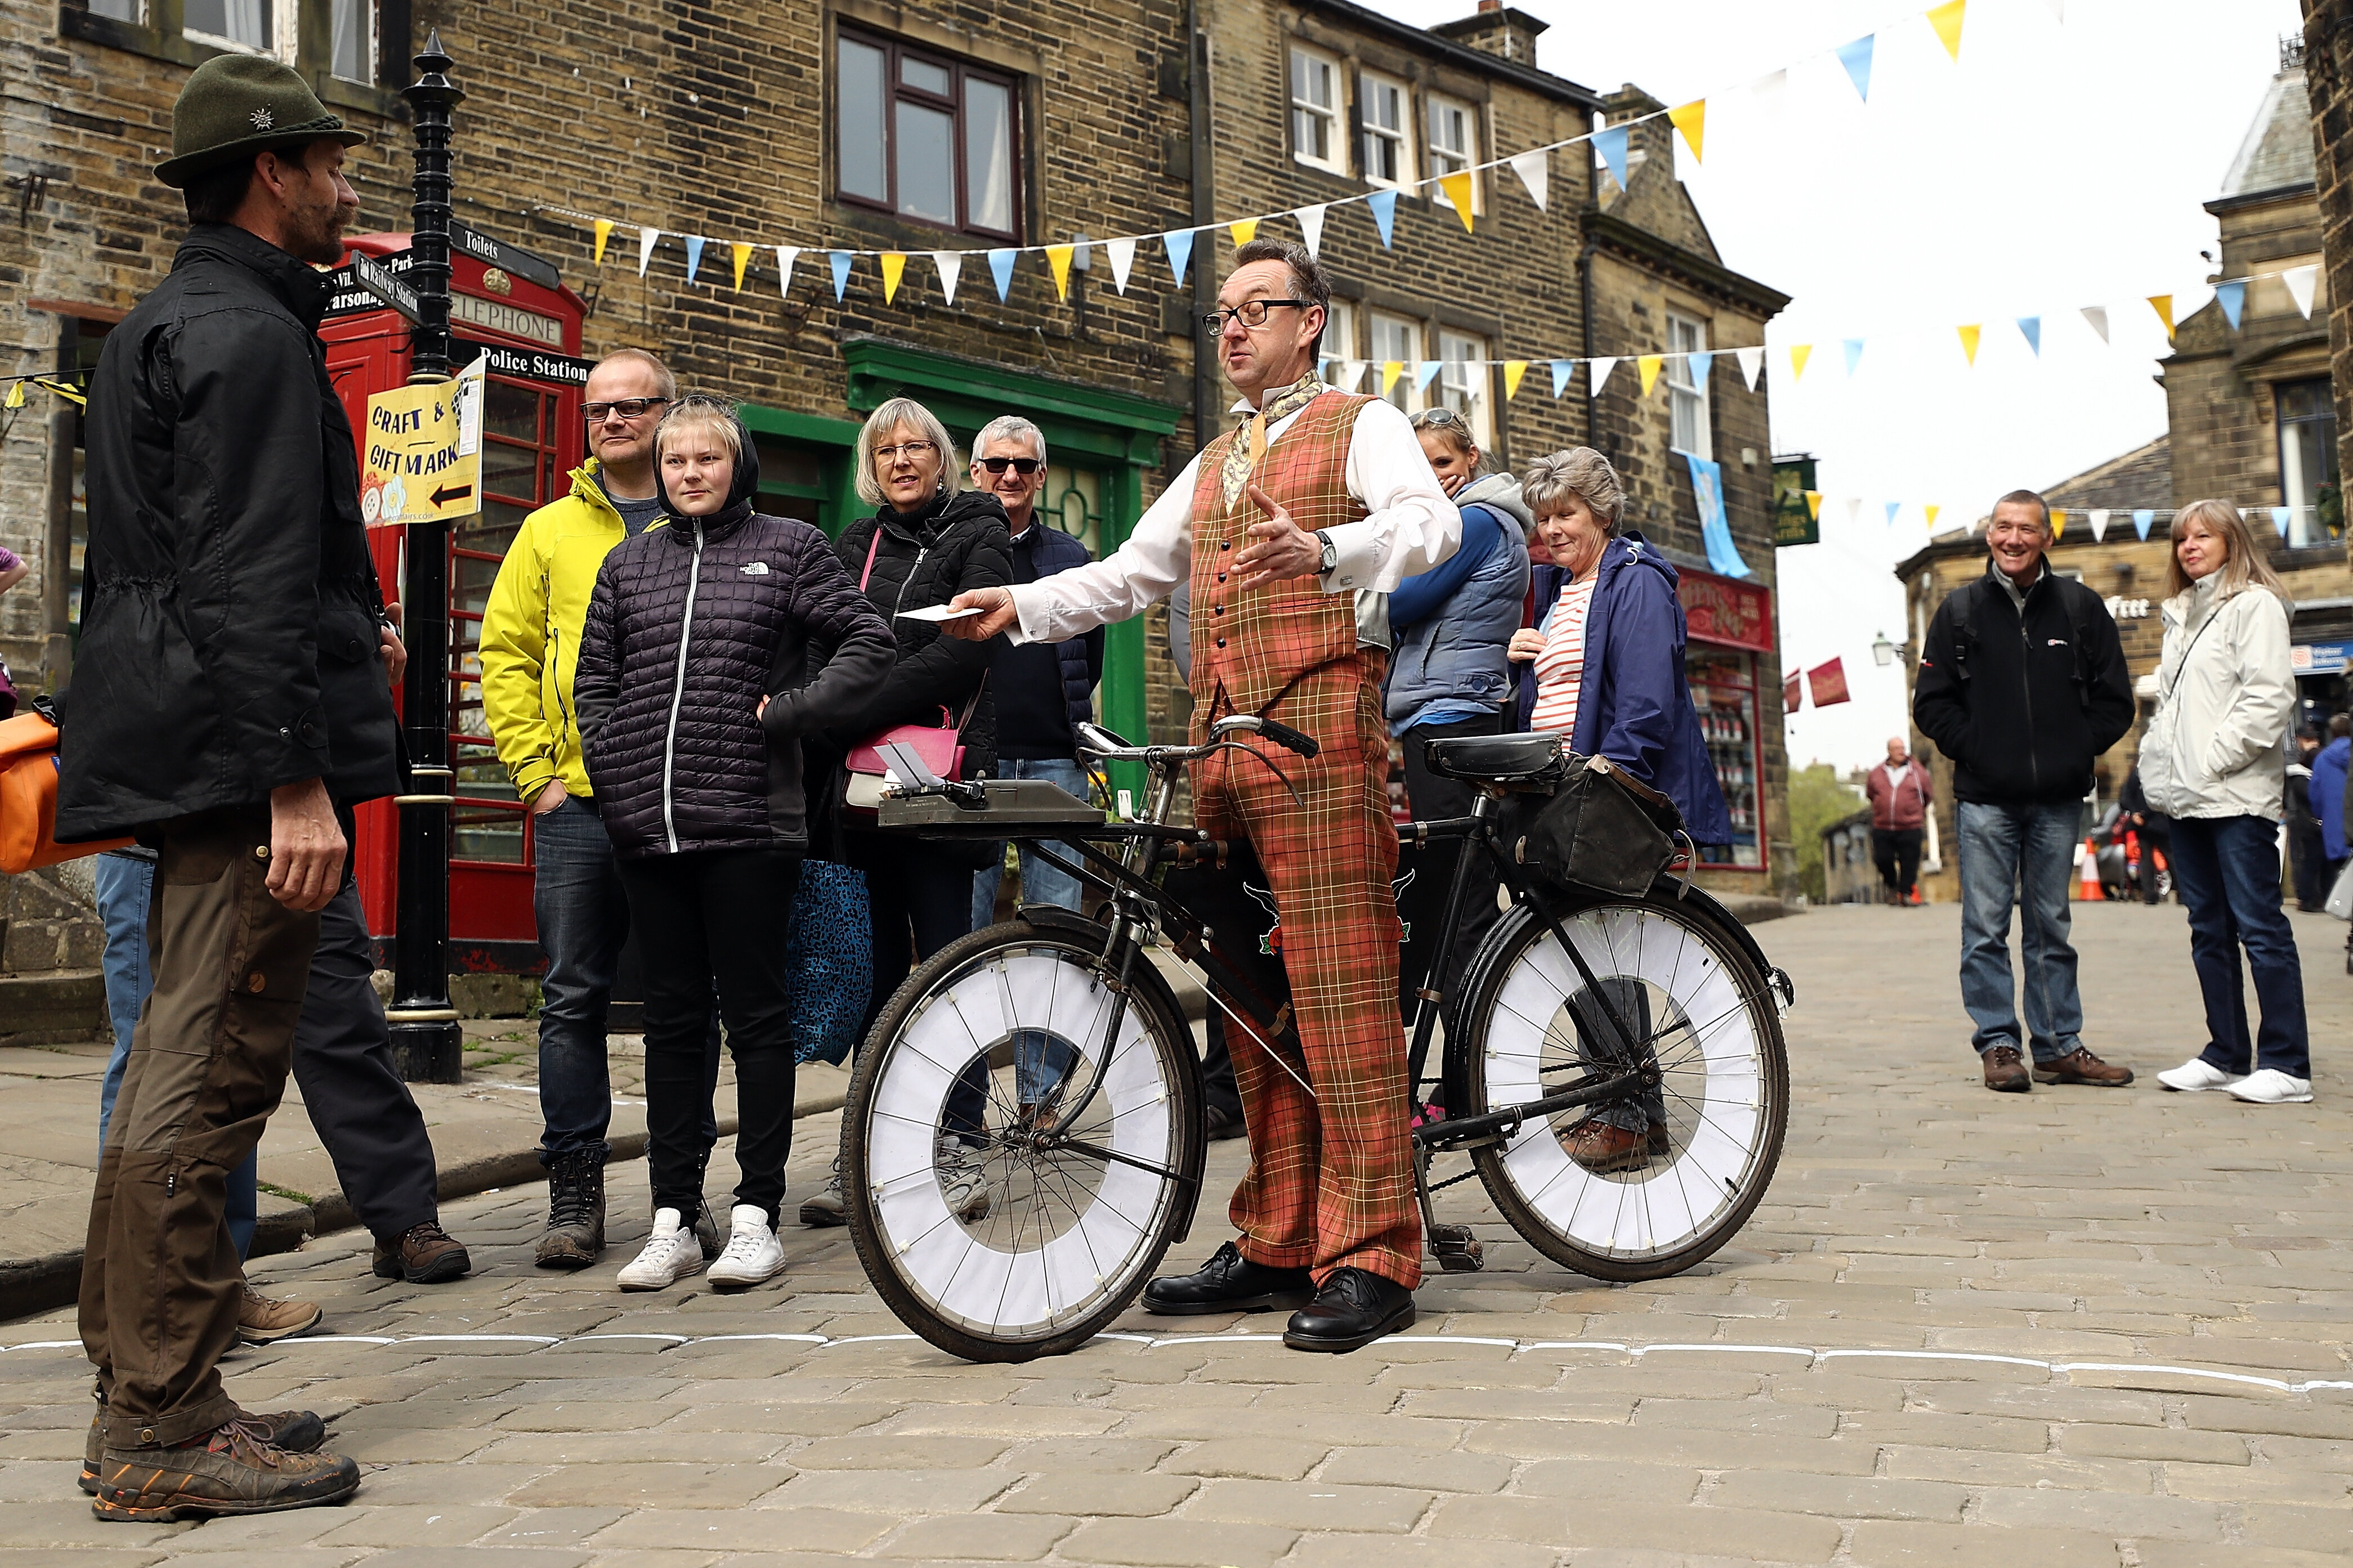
(1023, 1137)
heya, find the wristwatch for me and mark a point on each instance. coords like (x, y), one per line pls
(1331, 557)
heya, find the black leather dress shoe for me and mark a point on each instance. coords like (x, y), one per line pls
(1353, 1309)
(1230, 1282)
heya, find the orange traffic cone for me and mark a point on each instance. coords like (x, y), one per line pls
(2092, 894)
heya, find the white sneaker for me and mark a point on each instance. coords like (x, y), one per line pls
(753, 1253)
(2272, 1086)
(2197, 1075)
(671, 1254)
(961, 1181)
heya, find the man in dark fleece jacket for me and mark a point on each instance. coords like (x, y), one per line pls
(2022, 684)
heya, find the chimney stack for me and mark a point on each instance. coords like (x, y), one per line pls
(1497, 30)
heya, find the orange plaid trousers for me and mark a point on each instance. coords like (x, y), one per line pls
(1330, 1183)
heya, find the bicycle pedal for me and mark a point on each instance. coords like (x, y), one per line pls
(1459, 1251)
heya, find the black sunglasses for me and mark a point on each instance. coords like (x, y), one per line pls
(1025, 467)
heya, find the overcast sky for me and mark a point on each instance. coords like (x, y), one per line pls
(2059, 164)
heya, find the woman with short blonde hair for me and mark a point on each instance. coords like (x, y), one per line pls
(900, 422)
(2214, 760)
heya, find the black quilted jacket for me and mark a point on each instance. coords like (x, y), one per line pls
(691, 624)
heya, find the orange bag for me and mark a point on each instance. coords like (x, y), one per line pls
(28, 797)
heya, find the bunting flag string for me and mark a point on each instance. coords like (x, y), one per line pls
(2100, 520)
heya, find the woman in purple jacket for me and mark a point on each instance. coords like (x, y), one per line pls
(702, 662)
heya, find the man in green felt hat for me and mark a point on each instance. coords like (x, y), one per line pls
(230, 705)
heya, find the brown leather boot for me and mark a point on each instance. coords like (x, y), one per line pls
(264, 1320)
(233, 1469)
(1601, 1148)
(422, 1255)
(2080, 1065)
(296, 1431)
(2005, 1070)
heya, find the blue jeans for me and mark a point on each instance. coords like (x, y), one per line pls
(125, 883)
(583, 920)
(1040, 883)
(2228, 870)
(2022, 854)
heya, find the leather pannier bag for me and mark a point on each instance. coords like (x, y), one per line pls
(1601, 829)
(28, 797)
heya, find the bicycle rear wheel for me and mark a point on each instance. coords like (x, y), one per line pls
(1696, 1156)
(1001, 1212)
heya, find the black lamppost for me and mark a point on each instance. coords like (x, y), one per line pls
(426, 1039)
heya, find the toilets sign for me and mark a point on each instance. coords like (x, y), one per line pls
(423, 448)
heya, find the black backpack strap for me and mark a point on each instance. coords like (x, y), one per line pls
(1963, 603)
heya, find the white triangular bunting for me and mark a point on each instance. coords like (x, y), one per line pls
(2302, 282)
(1601, 369)
(951, 266)
(1752, 361)
(1123, 256)
(2097, 317)
(646, 238)
(1311, 225)
(785, 256)
(1535, 173)
(1351, 373)
(2099, 516)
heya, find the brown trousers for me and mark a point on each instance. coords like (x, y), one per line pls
(161, 1284)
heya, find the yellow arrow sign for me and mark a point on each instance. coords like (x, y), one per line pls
(423, 457)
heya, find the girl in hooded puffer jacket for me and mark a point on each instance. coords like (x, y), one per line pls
(702, 663)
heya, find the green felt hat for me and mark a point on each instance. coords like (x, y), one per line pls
(236, 105)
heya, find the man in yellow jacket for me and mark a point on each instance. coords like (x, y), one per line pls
(531, 641)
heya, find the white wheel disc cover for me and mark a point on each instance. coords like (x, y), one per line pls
(968, 1278)
(1669, 1202)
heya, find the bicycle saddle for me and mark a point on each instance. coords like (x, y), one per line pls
(1497, 759)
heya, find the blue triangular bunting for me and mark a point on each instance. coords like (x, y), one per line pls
(2031, 328)
(1383, 209)
(1611, 144)
(1853, 354)
(2233, 297)
(1892, 507)
(1856, 58)
(1425, 374)
(1179, 242)
(693, 255)
(1700, 365)
(1000, 266)
(2141, 521)
(2280, 516)
(1562, 369)
(840, 274)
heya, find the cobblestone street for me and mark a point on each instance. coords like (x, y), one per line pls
(2077, 1327)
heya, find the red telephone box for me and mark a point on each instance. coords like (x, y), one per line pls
(510, 304)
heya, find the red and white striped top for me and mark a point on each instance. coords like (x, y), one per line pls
(1560, 668)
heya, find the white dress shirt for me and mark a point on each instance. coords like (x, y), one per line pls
(1410, 526)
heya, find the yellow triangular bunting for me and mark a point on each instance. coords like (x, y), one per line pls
(742, 251)
(603, 232)
(1814, 505)
(1649, 365)
(1391, 370)
(1947, 20)
(1457, 187)
(1513, 370)
(15, 395)
(1244, 230)
(1969, 336)
(894, 267)
(1798, 355)
(1691, 121)
(2163, 305)
(1058, 256)
(1930, 513)
(2058, 522)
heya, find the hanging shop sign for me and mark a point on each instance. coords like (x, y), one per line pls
(1795, 520)
(423, 452)
(1732, 614)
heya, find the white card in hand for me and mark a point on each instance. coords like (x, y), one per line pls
(939, 612)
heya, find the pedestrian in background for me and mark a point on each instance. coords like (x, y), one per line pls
(2214, 760)
(1042, 690)
(1449, 675)
(2155, 831)
(229, 710)
(2022, 684)
(529, 648)
(711, 643)
(2326, 792)
(928, 541)
(2307, 854)
(1900, 792)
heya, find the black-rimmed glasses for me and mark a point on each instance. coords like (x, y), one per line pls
(627, 407)
(1249, 313)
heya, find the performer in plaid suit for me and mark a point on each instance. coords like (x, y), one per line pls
(1291, 530)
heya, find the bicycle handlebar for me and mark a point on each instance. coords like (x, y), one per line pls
(1104, 746)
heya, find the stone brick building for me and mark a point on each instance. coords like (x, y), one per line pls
(913, 127)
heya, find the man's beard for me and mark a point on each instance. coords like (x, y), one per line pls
(317, 236)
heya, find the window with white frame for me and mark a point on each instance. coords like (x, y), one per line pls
(1397, 340)
(1690, 429)
(130, 11)
(351, 45)
(248, 26)
(1462, 382)
(1386, 111)
(1315, 110)
(1339, 345)
(1453, 145)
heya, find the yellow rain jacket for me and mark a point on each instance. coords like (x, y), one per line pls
(530, 634)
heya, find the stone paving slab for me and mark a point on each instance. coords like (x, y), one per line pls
(2064, 1328)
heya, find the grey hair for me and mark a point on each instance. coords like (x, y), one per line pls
(1580, 471)
(893, 412)
(1011, 427)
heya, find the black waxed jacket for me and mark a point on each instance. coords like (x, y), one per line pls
(229, 606)
(691, 624)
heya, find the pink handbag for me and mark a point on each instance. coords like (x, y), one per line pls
(940, 746)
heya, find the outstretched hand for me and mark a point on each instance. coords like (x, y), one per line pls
(997, 607)
(1279, 548)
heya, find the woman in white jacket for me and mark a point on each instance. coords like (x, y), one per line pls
(2214, 760)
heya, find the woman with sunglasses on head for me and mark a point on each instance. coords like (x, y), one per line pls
(713, 642)
(1449, 675)
(928, 541)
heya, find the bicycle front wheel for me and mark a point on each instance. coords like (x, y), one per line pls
(1655, 1181)
(1010, 1177)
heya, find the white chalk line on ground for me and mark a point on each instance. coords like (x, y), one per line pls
(1815, 1358)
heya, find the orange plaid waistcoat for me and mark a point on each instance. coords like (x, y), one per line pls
(1255, 646)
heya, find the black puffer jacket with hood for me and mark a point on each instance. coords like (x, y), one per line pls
(952, 543)
(691, 624)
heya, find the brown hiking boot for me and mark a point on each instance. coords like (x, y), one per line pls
(576, 1211)
(2080, 1065)
(296, 1431)
(2005, 1070)
(424, 1255)
(1601, 1148)
(265, 1320)
(233, 1469)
